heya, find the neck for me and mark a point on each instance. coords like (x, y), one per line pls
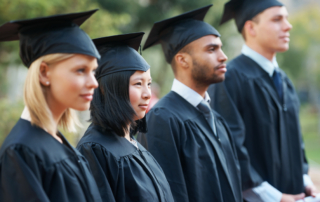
(199, 88)
(127, 135)
(56, 110)
(262, 51)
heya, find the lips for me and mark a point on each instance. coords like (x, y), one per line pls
(87, 97)
(221, 68)
(143, 106)
(286, 38)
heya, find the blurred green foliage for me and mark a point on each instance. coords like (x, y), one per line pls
(309, 127)
(10, 114)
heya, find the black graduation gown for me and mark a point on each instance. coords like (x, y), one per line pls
(199, 166)
(36, 167)
(121, 170)
(265, 128)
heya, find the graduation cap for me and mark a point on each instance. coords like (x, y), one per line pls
(48, 35)
(243, 10)
(176, 32)
(120, 53)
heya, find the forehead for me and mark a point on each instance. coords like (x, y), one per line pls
(77, 60)
(207, 40)
(275, 11)
(139, 74)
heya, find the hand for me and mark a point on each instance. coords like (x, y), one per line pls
(292, 198)
(311, 190)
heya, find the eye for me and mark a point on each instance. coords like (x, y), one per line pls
(276, 19)
(94, 71)
(81, 70)
(138, 83)
(149, 84)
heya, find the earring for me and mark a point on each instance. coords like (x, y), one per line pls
(47, 83)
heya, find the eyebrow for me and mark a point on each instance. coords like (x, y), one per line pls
(141, 78)
(85, 66)
(280, 15)
(213, 45)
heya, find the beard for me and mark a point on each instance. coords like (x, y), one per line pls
(203, 74)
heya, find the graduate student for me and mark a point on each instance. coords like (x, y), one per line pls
(190, 141)
(124, 170)
(37, 163)
(260, 104)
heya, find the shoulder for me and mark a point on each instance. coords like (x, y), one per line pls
(172, 107)
(104, 142)
(19, 152)
(243, 67)
(94, 149)
(25, 136)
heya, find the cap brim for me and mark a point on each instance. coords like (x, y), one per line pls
(10, 30)
(153, 38)
(132, 40)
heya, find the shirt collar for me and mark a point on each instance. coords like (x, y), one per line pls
(188, 94)
(264, 63)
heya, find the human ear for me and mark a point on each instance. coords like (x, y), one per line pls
(183, 60)
(44, 75)
(250, 30)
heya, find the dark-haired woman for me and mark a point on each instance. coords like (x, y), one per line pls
(123, 169)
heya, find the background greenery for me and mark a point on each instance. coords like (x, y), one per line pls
(125, 16)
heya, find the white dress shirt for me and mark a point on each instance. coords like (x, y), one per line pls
(188, 94)
(265, 192)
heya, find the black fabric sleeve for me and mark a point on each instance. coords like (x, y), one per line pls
(20, 176)
(104, 169)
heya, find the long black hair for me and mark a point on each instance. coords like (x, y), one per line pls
(111, 107)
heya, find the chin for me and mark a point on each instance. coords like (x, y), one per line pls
(82, 107)
(283, 48)
(218, 79)
(141, 115)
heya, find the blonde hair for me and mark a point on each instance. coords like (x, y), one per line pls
(35, 100)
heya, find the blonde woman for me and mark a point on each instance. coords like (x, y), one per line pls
(36, 162)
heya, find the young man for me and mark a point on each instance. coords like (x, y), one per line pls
(191, 142)
(261, 107)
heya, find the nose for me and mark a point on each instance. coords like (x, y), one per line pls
(92, 81)
(146, 94)
(287, 25)
(222, 56)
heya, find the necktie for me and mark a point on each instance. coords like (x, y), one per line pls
(204, 107)
(277, 80)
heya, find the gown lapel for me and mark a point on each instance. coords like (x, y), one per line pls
(215, 141)
(282, 108)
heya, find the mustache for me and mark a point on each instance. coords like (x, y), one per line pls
(221, 65)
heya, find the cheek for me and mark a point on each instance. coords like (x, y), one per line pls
(209, 62)
(134, 95)
(67, 87)
(269, 33)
